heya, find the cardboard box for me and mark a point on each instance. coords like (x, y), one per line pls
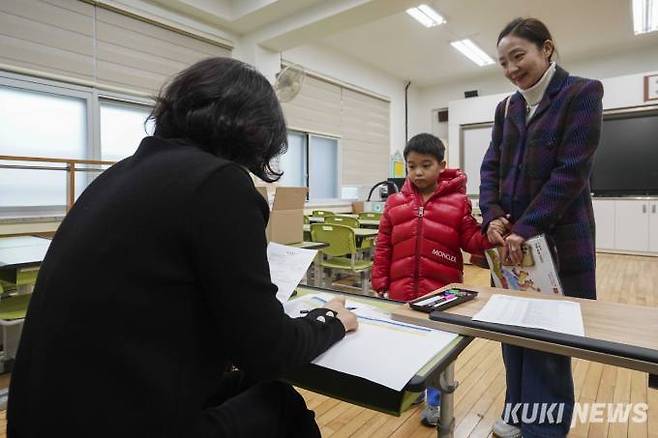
(286, 223)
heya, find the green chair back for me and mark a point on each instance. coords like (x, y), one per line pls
(340, 238)
(306, 220)
(370, 215)
(323, 213)
(342, 220)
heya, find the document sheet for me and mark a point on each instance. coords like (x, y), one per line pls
(287, 267)
(381, 350)
(554, 315)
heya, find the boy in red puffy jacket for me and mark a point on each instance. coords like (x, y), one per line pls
(422, 232)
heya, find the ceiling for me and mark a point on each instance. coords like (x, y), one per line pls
(402, 47)
(381, 34)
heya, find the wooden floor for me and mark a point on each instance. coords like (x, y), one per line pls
(480, 372)
(479, 369)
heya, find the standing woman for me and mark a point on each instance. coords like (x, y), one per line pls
(535, 179)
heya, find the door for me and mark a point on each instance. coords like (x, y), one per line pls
(653, 226)
(632, 225)
(604, 216)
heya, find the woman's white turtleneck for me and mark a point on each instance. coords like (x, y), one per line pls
(534, 94)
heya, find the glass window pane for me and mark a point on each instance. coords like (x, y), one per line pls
(42, 124)
(323, 168)
(122, 129)
(293, 162)
(39, 124)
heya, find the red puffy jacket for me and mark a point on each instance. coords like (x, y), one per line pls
(419, 246)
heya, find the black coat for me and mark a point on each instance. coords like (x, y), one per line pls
(155, 282)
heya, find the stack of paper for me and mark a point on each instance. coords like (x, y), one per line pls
(554, 315)
(381, 350)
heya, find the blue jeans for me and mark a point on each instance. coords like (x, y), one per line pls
(432, 397)
(536, 378)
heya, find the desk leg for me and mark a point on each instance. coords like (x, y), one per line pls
(317, 270)
(446, 426)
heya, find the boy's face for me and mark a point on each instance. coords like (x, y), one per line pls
(424, 170)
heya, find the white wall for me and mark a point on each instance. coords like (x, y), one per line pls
(324, 60)
(619, 92)
(493, 82)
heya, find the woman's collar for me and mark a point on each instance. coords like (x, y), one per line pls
(534, 94)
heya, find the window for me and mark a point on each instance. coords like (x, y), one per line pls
(122, 128)
(311, 161)
(48, 119)
(39, 124)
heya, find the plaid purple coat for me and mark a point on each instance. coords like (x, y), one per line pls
(539, 174)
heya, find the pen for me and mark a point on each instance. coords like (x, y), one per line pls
(306, 311)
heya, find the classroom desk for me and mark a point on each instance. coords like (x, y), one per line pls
(320, 219)
(360, 233)
(616, 334)
(438, 372)
(317, 261)
(365, 223)
(20, 258)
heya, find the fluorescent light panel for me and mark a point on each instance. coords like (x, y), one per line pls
(645, 16)
(470, 50)
(426, 16)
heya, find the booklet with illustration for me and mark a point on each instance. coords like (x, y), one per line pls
(535, 273)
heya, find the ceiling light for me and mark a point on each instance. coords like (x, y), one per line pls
(645, 16)
(472, 52)
(426, 16)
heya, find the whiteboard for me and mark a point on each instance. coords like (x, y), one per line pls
(475, 142)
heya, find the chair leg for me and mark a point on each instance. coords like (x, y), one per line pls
(327, 278)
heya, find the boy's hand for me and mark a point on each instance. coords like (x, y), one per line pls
(382, 293)
(496, 230)
(512, 249)
(345, 316)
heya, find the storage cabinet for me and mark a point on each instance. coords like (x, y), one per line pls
(632, 225)
(627, 224)
(653, 226)
(604, 215)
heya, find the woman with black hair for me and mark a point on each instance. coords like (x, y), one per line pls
(535, 180)
(157, 285)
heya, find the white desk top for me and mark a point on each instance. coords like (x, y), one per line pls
(22, 250)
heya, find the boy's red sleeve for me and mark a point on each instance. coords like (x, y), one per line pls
(472, 239)
(383, 252)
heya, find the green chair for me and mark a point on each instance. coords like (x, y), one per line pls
(306, 220)
(323, 213)
(12, 316)
(342, 220)
(341, 254)
(370, 215)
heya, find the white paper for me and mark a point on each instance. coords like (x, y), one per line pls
(287, 267)
(554, 315)
(380, 350)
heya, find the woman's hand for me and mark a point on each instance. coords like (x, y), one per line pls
(345, 316)
(496, 230)
(513, 248)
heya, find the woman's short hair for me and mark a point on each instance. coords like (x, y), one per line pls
(228, 108)
(529, 29)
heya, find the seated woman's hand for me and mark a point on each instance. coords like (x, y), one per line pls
(348, 318)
